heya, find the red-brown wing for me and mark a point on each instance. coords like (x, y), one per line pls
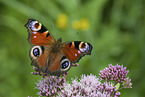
(53, 63)
(75, 50)
(38, 34)
(39, 56)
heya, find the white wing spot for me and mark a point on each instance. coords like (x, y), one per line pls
(34, 32)
(79, 52)
(34, 36)
(75, 54)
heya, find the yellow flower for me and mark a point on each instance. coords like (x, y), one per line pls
(62, 21)
(82, 24)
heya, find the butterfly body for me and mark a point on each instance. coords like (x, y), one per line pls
(57, 45)
(51, 56)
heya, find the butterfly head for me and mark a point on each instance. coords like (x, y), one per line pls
(59, 40)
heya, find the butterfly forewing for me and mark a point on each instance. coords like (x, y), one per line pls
(75, 50)
(38, 33)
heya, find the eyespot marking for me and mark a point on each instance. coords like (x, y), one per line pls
(65, 64)
(36, 51)
(35, 25)
(84, 47)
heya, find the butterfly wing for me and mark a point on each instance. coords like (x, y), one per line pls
(74, 51)
(42, 39)
(39, 56)
(51, 56)
(53, 63)
(70, 52)
(58, 64)
(38, 34)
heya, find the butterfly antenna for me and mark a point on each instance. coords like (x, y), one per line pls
(75, 33)
(54, 28)
(78, 33)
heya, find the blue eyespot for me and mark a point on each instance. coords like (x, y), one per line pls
(36, 52)
(32, 24)
(64, 65)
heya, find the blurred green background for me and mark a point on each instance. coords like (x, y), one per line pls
(115, 28)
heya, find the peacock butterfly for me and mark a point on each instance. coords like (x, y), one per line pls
(51, 56)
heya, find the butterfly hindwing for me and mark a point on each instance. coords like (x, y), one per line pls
(58, 64)
(53, 63)
(39, 57)
(75, 50)
(38, 33)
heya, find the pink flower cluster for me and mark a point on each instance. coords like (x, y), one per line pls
(115, 73)
(87, 85)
